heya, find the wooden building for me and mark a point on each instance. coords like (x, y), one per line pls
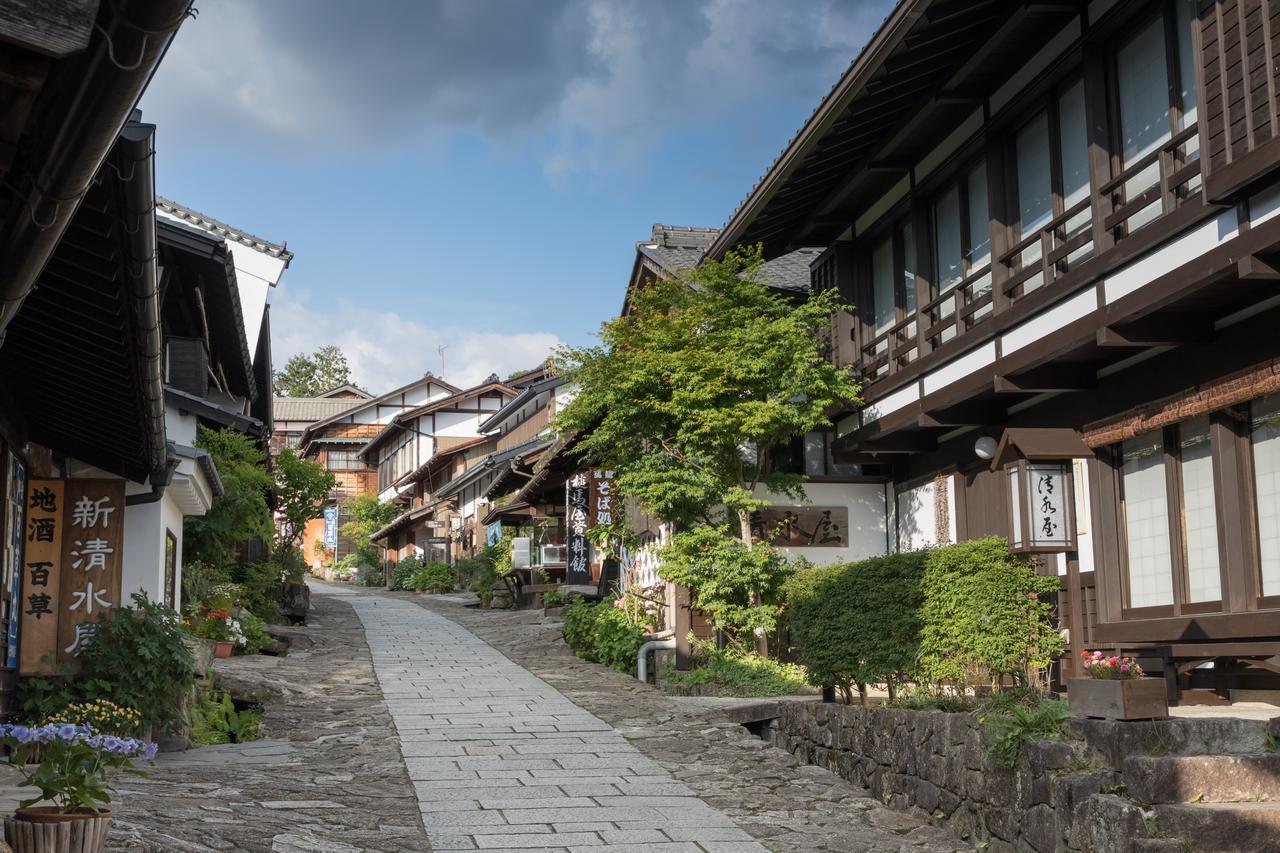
(1058, 224)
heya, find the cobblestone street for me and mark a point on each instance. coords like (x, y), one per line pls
(441, 727)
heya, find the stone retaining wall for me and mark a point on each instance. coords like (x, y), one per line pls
(1068, 795)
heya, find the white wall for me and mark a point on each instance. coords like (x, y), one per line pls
(144, 540)
(916, 517)
(868, 520)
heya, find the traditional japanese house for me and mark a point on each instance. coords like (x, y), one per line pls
(295, 414)
(336, 440)
(421, 454)
(81, 385)
(1057, 224)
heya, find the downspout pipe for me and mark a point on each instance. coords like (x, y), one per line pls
(159, 482)
(661, 640)
(92, 94)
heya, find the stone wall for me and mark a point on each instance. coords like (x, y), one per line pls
(1069, 795)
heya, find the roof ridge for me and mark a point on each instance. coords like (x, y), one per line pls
(230, 232)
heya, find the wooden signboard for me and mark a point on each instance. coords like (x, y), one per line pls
(41, 576)
(802, 526)
(577, 551)
(92, 547)
(603, 500)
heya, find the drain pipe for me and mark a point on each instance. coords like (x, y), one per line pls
(661, 640)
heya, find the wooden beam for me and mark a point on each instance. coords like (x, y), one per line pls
(1258, 268)
(53, 29)
(900, 442)
(968, 413)
(1050, 377)
(1157, 330)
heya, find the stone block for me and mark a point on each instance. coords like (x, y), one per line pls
(1040, 829)
(1209, 827)
(1204, 778)
(1112, 824)
(926, 795)
(1070, 796)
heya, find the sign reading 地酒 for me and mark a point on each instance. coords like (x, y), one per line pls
(802, 526)
(41, 575)
(92, 547)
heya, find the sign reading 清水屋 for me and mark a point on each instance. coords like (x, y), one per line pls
(41, 576)
(92, 546)
(802, 526)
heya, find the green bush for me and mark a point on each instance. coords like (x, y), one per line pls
(983, 617)
(739, 674)
(403, 572)
(601, 633)
(198, 581)
(858, 623)
(433, 577)
(255, 635)
(261, 586)
(579, 616)
(479, 574)
(371, 576)
(214, 719)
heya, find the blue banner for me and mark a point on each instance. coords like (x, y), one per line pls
(17, 509)
(493, 534)
(331, 527)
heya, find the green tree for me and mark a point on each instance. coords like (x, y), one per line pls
(302, 486)
(368, 515)
(238, 515)
(308, 375)
(686, 395)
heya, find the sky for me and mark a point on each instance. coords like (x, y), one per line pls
(475, 174)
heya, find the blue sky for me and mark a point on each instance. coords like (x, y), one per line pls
(476, 173)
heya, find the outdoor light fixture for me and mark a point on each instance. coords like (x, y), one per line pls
(985, 447)
(1042, 506)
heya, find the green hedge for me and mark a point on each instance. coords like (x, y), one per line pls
(858, 623)
(962, 615)
(434, 577)
(601, 633)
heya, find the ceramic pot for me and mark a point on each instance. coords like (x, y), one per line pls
(223, 649)
(43, 829)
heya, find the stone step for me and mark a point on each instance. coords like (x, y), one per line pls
(1222, 827)
(1203, 778)
(1177, 736)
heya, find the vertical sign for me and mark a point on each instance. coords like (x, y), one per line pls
(92, 545)
(1051, 523)
(41, 576)
(331, 527)
(603, 499)
(577, 567)
(16, 501)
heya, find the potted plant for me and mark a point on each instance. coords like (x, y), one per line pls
(74, 784)
(1116, 688)
(221, 627)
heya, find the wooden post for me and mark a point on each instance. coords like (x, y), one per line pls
(683, 621)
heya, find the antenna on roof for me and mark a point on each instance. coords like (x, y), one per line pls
(440, 349)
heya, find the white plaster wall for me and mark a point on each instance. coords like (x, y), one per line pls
(179, 428)
(457, 424)
(142, 567)
(868, 520)
(917, 519)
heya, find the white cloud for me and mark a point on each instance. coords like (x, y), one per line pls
(385, 350)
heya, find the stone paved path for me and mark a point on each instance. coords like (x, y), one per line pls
(501, 760)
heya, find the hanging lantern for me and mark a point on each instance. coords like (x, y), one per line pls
(1041, 506)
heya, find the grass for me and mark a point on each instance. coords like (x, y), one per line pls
(740, 674)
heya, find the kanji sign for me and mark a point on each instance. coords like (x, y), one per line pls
(603, 501)
(41, 576)
(92, 542)
(16, 492)
(331, 527)
(802, 526)
(577, 551)
(1042, 505)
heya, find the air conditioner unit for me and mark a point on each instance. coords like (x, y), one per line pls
(521, 556)
(550, 554)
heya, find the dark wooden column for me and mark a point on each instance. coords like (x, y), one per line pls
(683, 622)
(1098, 119)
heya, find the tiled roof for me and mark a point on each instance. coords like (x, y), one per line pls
(312, 408)
(675, 248)
(222, 229)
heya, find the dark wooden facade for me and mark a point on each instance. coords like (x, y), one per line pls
(1118, 279)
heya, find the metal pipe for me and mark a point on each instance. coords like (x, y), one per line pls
(94, 93)
(642, 656)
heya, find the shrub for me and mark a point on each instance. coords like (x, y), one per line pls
(255, 635)
(137, 658)
(402, 574)
(601, 633)
(433, 577)
(214, 719)
(261, 586)
(858, 623)
(740, 674)
(479, 574)
(199, 579)
(104, 716)
(371, 576)
(1017, 718)
(579, 616)
(982, 616)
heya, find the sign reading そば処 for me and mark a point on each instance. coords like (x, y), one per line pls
(92, 522)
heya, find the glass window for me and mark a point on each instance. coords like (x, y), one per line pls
(1265, 439)
(1146, 521)
(1073, 146)
(1186, 63)
(1143, 78)
(1035, 185)
(908, 268)
(948, 248)
(979, 219)
(882, 276)
(1199, 512)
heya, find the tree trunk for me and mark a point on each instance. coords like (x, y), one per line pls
(761, 635)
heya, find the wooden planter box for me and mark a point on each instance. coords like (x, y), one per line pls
(1129, 699)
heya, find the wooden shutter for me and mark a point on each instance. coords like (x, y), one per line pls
(188, 368)
(1237, 87)
(834, 269)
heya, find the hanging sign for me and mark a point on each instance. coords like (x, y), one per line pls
(331, 527)
(41, 576)
(92, 546)
(1042, 506)
(12, 562)
(603, 500)
(577, 551)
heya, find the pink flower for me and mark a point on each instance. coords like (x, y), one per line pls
(1124, 667)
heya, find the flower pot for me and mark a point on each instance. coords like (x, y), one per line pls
(223, 649)
(202, 653)
(1123, 699)
(43, 829)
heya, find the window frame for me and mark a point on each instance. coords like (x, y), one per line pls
(1252, 529)
(959, 181)
(1048, 103)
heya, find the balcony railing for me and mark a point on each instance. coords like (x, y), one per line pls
(1150, 188)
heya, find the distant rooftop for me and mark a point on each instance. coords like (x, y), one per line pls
(228, 232)
(679, 247)
(312, 409)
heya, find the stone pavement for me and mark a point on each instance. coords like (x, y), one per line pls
(503, 761)
(774, 798)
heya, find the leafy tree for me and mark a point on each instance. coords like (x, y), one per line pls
(302, 486)
(241, 513)
(368, 515)
(685, 397)
(308, 375)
